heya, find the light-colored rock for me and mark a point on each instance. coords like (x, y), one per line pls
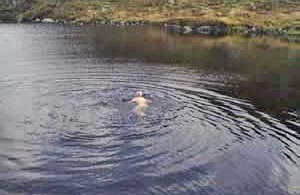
(187, 30)
(48, 20)
(122, 23)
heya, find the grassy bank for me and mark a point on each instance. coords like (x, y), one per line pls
(267, 14)
(6, 13)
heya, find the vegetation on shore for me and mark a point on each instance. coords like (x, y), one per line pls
(265, 14)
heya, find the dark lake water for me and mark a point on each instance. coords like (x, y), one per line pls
(224, 117)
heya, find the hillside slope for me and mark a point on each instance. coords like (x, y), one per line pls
(272, 14)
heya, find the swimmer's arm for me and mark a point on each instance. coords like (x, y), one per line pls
(132, 100)
(148, 101)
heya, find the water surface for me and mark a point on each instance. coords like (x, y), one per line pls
(224, 117)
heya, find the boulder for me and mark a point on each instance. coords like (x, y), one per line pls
(216, 30)
(37, 20)
(206, 30)
(48, 20)
(187, 30)
(123, 23)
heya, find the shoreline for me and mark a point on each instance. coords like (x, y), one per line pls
(181, 27)
(213, 18)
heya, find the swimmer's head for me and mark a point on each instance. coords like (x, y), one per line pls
(138, 94)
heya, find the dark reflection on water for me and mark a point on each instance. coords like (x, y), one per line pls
(224, 118)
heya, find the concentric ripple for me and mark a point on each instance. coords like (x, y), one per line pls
(67, 127)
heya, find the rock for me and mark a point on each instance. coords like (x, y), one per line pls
(48, 20)
(211, 30)
(63, 21)
(275, 32)
(207, 30)
(116, 23)
(174, 28)
(254, 31)
(123, 23)
(37, 20)
(20, 19)
(60, 21)
(291, 38)
(142, 23)
(187, 30)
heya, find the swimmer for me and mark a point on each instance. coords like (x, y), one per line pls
(141, 103)
(140, 100)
